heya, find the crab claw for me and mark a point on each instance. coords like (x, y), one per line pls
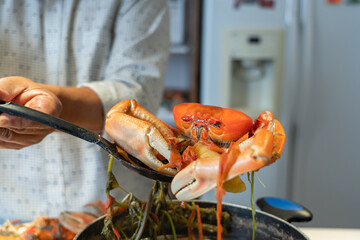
(258, 151)
(141, 134)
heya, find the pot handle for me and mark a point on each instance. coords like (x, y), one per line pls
(285, 209)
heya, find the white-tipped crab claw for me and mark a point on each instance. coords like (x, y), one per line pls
(262, 149)
(140, 133)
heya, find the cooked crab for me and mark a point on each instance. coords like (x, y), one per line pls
(236, 144)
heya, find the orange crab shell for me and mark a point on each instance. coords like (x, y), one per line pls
(223, 124)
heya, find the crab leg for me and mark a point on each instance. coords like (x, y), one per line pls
(140, 133)
(262, 149)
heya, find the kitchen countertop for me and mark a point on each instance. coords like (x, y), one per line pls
(332, 233)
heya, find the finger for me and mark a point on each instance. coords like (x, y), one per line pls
(25, 92)
(34, 131)
(7, 145)
(41, 100)
(11, 87)
(6, 135)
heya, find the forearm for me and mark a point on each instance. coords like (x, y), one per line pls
(81, 106)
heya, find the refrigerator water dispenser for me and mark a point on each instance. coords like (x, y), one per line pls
(252, 70)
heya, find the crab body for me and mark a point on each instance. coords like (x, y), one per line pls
(220, 125)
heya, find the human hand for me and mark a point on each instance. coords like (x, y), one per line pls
(17, 132)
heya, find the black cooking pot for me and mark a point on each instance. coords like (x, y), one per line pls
(268, 226)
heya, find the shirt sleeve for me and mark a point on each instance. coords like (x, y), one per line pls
(137, 63)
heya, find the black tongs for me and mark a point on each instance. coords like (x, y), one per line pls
(83, 133)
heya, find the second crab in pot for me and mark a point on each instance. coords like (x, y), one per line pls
(233, 143)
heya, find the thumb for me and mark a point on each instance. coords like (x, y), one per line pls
(11, 87)
(43, 101)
